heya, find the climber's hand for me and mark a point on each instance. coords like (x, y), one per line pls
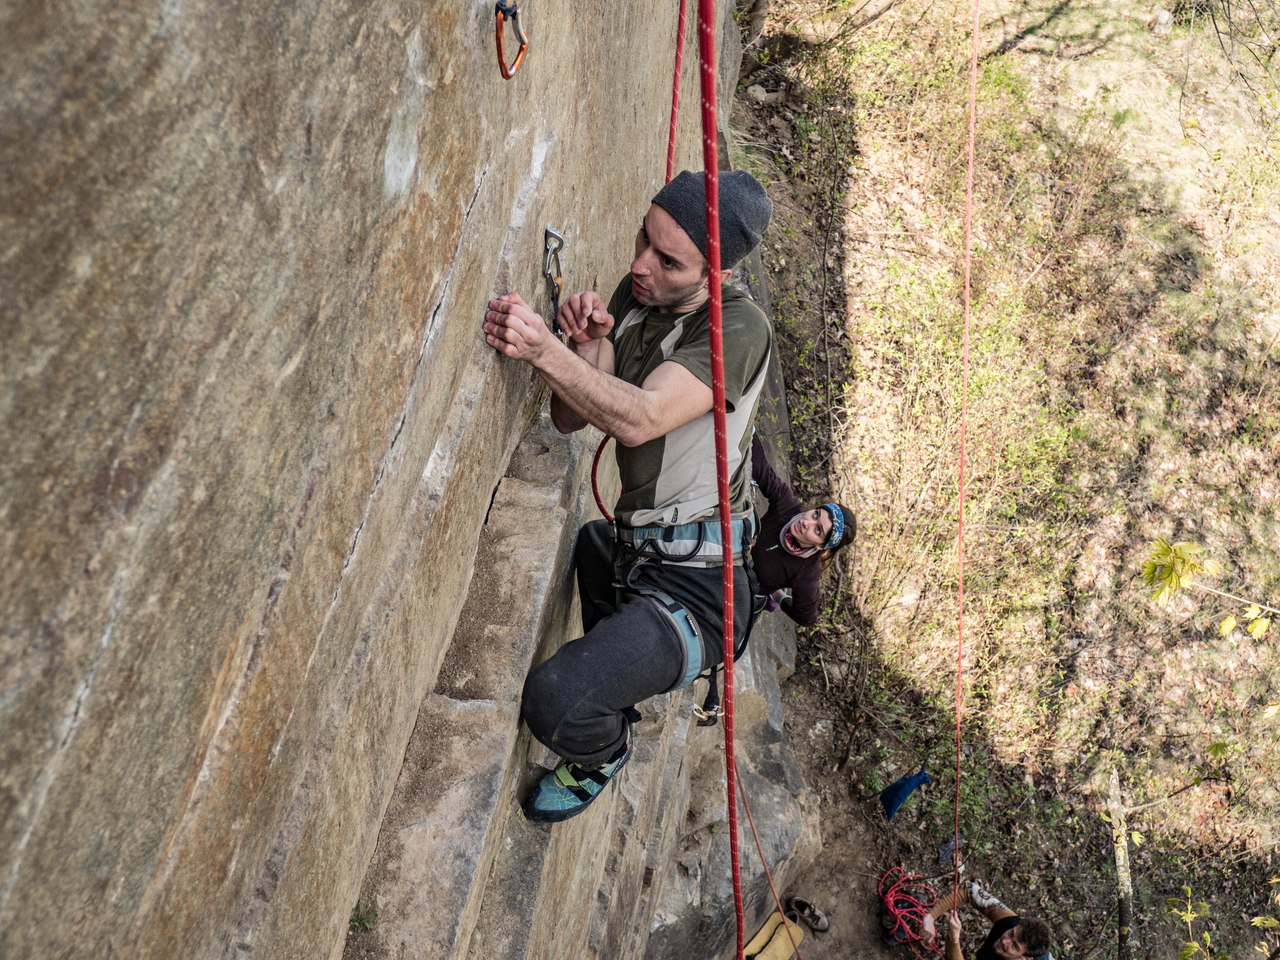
(930, 928)
(513, 328)
(584, 317)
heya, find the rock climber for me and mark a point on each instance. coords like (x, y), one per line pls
(1011, 937)
(793, 543)
(639, 369)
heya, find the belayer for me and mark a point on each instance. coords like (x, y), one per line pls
(794, 543)
(639, 369)
(1011, 937)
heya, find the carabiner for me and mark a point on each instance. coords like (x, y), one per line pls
(552, 244)
(503, 10)
(707, 718)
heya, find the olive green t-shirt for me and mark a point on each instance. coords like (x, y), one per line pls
(672, 479)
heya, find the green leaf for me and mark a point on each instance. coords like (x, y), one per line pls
(1172, 565)
(1258, 628)
(1253, 612)
(1226, 626)
(1218, 750)
(1136, 837)
(1269, 922)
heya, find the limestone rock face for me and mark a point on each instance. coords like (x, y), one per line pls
(251, 429)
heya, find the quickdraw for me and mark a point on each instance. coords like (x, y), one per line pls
(553, 243)
(503, 11)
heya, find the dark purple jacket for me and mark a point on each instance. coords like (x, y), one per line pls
(775, 567)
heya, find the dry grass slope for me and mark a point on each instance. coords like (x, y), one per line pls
(1122, 386)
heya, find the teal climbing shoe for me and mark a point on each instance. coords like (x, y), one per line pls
(569, 789)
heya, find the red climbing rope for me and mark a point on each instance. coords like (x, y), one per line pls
(907, 899)
(675, 96)
(711, 168)
(964, 411)
(595, 483)
(768, 875)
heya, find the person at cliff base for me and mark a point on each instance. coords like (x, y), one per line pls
(1011, 937)
(639, 368)
(794, 544)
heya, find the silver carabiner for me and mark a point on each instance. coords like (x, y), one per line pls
(552, 244)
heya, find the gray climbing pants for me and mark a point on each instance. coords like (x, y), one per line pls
(578, 701)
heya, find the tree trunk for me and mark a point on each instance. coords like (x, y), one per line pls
(753, 13)
(1127, 943)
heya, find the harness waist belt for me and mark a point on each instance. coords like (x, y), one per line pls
(697, 543)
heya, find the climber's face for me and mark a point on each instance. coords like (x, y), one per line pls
(807, 531)
(669, 271)
(1010, 945)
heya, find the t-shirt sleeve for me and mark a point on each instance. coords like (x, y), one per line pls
(747, 337)
(619, 303)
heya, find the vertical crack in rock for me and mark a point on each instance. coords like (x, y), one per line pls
(415, 380)
(50, 772)
(492, 499)
(303, 799)
(242, 662)
(156, 503)
(425, 501)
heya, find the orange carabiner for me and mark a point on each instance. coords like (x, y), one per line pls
(503, 11)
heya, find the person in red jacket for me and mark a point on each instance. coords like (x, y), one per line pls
(793, 542)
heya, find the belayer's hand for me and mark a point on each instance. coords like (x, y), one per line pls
(513, 328)
(585, 317)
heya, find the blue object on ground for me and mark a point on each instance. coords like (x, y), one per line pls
(947, 852)
(894, 795)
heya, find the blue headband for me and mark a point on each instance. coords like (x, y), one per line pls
(837, 525)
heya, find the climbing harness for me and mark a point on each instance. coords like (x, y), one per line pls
(905, 900)
(552, 244)
(689, 544)
(695, 544)
(502, 11)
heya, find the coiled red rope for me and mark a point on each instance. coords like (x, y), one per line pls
(907, 899)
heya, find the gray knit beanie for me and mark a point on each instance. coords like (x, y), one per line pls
(744, 211)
